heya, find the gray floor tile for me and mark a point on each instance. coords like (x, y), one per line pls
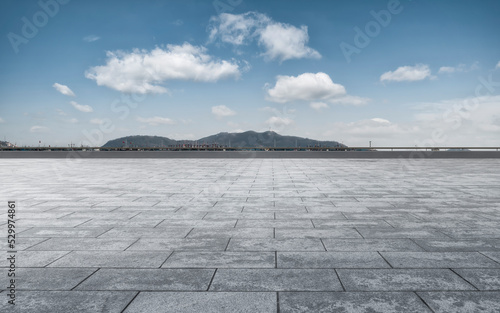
(240, 244)
(438, 259)
(275, 280)
(482, 278)
(331, 260)
(68, 232)
(231, 233)
(208, 302)
(370, 245)
(35, 258)
(462, 302)
(83, 244)
(143, 232)
(113, 259)
(161, 244)
(48, 278)
(288, 233)
(458, 245)
(351, 302)
(69, 301)
(197, 259)
(149, 279)
(401, 280)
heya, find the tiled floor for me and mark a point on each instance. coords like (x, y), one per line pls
(253, 235)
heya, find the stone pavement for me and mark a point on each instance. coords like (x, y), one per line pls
(253, 235)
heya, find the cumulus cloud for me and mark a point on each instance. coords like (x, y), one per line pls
(63, 89)
(157, 120)
(407, 73)
(39, 129)
(81, 107)
(73, 120)
(307, 87)
(91, 38)
(222, 111)
(498, 65)
(142, 71)
(280, 41)
(318, 106)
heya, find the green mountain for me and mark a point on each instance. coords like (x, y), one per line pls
(233, 140)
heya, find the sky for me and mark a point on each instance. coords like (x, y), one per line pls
(396, 73)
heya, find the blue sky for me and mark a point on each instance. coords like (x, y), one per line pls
(408, 73)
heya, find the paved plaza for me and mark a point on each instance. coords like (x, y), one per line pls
(253, 235)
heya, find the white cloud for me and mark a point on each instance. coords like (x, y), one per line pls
(318, 105)
(142, 71)
(97, 121)
(81, 107)
(380, 120)
(2, 120)
(222, 111)
(39, 129)
(278, 122)
(459, 68)
(498, 65)
(306, 87)
(284, 42)
(350, 100)
(63, 89)
(280, 41)
(407, 73)
(447, 69)
(91, 38)
(154, 121)
(73, 120)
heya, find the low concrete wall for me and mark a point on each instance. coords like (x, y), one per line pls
(251, 154)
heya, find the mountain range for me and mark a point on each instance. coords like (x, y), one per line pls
(232, 140)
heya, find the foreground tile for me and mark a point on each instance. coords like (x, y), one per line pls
(48, 278)
(483, 278)
(195, 259)
(148, 279)
(207, 302)
(438, 259)
(401, 280)
(69, 301)
(351, 302)
(275, 280)
(331, 260)
(115, 259)
(370, 245)
(462, 302)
